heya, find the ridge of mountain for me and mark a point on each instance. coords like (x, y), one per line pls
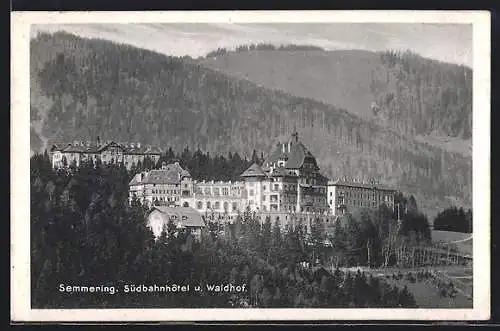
(87, 87)
(413, 95)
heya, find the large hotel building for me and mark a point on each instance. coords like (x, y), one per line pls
(287, 185)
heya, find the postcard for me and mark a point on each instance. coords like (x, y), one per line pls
(244, 166)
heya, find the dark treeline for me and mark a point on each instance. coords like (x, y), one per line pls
(454, 219)
(88, 88)
(203, 166)
(84, 232)
(262, 47)
(375, 238)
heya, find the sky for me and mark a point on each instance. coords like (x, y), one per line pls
(445, 42)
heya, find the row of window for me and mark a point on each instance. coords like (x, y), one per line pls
(156, 191)
(167, 199)
(217, 205)
(359, 203)
(216, 191)
(176, 185)
(372, 196)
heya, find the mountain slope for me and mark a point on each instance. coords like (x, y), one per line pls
(85, 88)
(409, 93)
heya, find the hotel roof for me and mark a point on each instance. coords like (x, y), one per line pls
(93, 147)
(186, 216)
(169, 174)
(294, 159)
(254, 171)
(340, 182)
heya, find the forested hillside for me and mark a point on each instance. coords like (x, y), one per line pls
(84, 88)
(83, 231)
(404, 91)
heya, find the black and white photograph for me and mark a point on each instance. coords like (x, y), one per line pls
(250, 166)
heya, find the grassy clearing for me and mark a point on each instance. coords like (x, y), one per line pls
(448, 236)
(426, 292)
(427, 296)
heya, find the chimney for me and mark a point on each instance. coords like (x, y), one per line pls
(98, 141)
(283, 147)
(289, 146)
(75, 142)
(132, 145)
(88, 143)
(163, 165)
(138, 145)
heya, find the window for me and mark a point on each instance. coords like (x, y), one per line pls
(331, 201)
(264, 187)
(225, 191)
(208, 205)
(235, 206)
(226, 206)
(199, 205)
(263, 198)
(217, 205)
(250, 193)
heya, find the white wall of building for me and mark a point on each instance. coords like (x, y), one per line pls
(332, 198)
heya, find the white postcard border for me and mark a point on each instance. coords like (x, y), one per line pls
(20, 154)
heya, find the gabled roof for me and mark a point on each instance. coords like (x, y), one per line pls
(169, 174)
(254, 171)
(93, 147)
(294, 159)
(136, 180)
(151, 150)
(186, 216)
(340, 182)
(282, 172)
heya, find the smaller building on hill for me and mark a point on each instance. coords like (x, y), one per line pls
(158, 218)
(77, 152)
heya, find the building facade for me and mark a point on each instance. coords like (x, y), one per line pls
(221, 198)
(76, 152)
(345, 196)
(288, 181)
(158, 218)
(171, 186)
(288, 187)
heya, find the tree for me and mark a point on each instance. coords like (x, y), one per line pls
(454, 219)
(276, 243)
(318, 237)
(266, 238)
